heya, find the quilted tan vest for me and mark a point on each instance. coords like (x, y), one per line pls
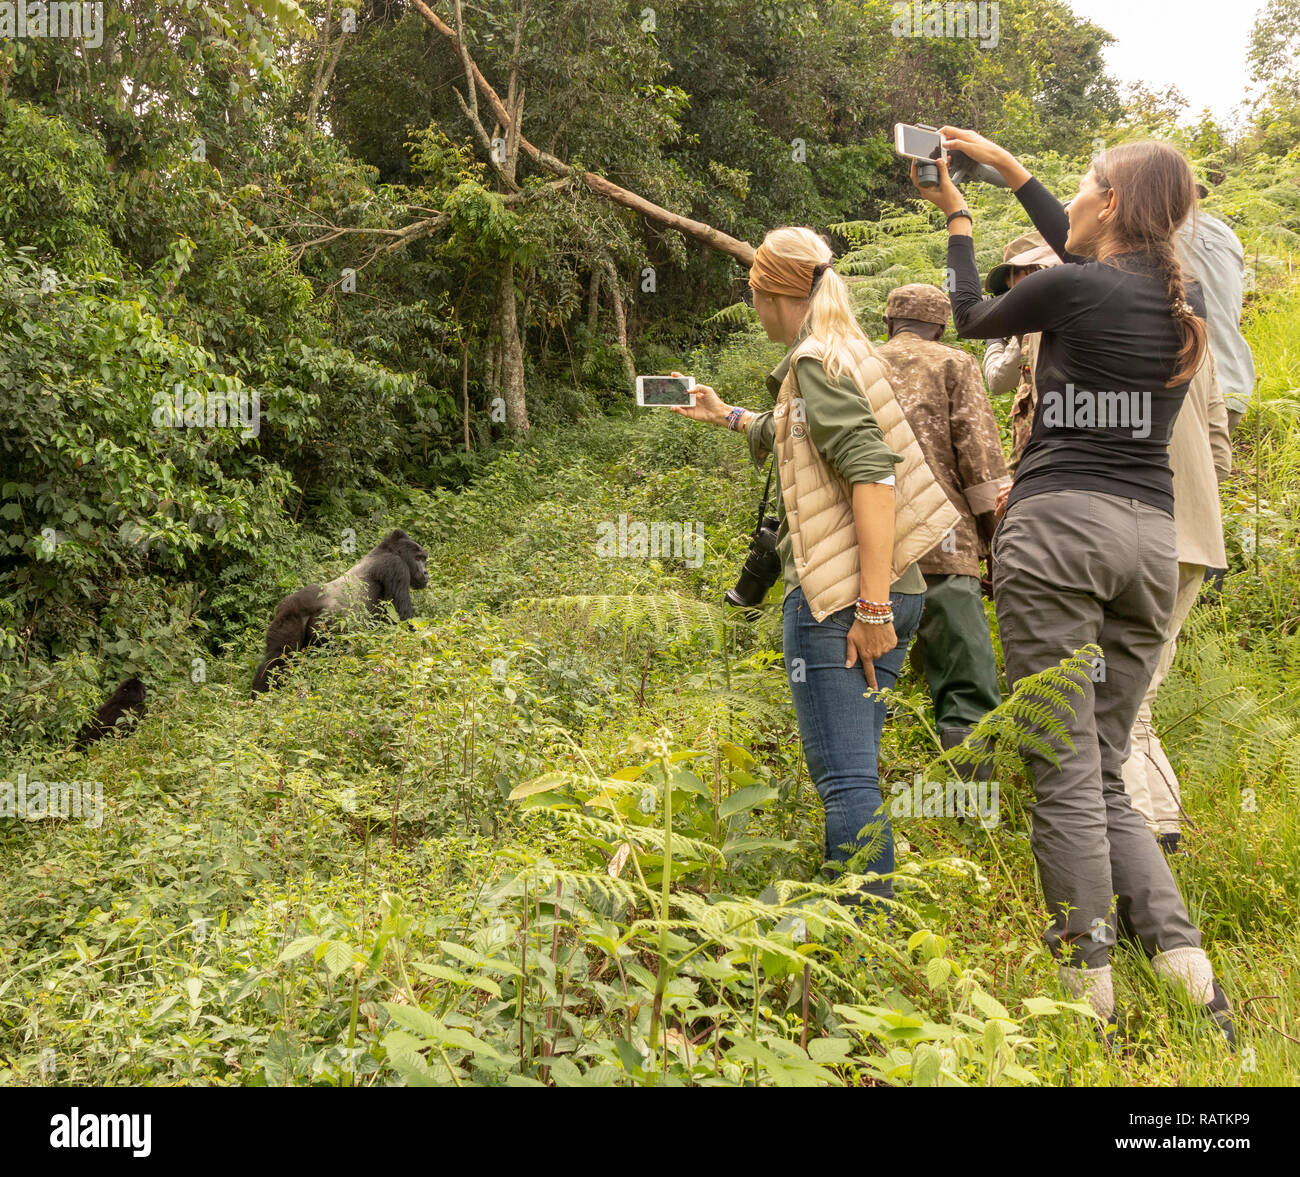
(819, 503)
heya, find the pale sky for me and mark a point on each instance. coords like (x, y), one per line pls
(1197, 45)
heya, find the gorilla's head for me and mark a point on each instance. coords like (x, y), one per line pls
(131, 693)
(417, 560)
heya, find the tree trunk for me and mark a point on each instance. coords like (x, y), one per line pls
(505, 361)
(325, 65)
(510, 375)
(593, 307)
(491, 352)
(620, 322)
(464, 388)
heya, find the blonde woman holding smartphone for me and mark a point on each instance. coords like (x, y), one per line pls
(858, 507)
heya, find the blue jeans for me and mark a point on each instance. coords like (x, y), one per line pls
(840, 726)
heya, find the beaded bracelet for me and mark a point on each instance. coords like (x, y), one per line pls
(874, 619)
(733, 417)
(874, 606)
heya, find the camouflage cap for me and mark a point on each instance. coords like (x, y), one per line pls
(927, 304)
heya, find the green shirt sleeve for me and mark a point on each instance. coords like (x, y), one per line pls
(760, 435)
(842, 425)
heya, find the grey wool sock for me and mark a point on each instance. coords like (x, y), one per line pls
(1189, 969)
(1094, 985)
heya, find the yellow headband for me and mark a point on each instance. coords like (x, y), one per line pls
(773, 274)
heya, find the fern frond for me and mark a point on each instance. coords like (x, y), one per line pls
(648, 836)
(713, 707)
(664, 614)
(736, 315)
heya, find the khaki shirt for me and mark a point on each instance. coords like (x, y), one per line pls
(1200, 456)
(1212, 254)
(1026, 399)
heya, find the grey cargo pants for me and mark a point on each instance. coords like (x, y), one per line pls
(1072, 567)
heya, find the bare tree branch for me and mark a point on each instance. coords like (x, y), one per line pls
(323, 72)
(416, 230)
(469, 107)
(620, 321)
(706, 234)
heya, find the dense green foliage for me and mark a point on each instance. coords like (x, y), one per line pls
(182, 207)
(334, 885)
(561, 831)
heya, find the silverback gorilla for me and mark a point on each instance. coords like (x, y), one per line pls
(118, 714)
(387, 573)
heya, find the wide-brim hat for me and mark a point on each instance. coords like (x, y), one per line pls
(1029, 250)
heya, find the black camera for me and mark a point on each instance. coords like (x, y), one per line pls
(761, 569)
(962, 168)
(762, 564)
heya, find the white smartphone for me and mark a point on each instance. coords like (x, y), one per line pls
(661, 392)
(919, 142)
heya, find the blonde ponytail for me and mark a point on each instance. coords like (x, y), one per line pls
(830, 318)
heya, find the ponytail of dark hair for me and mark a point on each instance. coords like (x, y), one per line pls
(1196, 336)
(1156, 193)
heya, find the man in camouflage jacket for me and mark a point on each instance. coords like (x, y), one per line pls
(942, 394)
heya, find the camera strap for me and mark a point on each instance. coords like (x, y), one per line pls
(762, 506)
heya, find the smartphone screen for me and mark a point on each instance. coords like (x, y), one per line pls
(662, 391)
(918, 143)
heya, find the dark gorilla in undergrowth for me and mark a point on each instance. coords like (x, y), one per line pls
(119, 713)
(387, 573)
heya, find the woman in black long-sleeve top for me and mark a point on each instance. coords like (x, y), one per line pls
(1085, 552)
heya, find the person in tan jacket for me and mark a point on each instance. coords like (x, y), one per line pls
(858, 506)
(1200, 455)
